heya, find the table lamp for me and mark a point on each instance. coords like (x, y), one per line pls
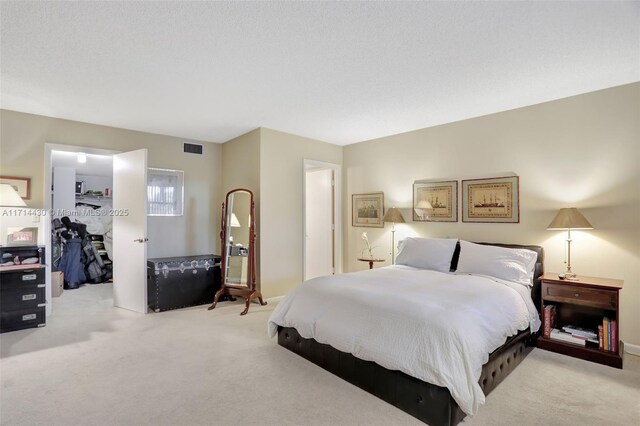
(235, 223)
(9, 197)
(394, 216)
(568, 219)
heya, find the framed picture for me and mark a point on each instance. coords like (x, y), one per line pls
(22, 236)
(367, 210)
(21, 185)
(435, 201)
(491, 200)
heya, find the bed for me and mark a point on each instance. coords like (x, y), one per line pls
(432, 343)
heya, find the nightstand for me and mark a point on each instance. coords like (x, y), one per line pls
(582, 302)
(371, 261)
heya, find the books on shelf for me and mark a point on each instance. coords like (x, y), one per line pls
(549, 320)
(600, 338)
(614, 335)
(582, 332)
(610, 335)
(567, 337)
(605, 338)
(589, 336)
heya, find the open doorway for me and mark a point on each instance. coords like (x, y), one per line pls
(321, 214)
(81, 244)
(98, 205)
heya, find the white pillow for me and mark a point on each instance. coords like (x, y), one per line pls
(511, 264)
(426, 253)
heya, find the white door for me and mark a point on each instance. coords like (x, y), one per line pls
(130, 230)
(319, 236)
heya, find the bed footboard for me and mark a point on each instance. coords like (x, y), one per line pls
(427, 402)
(504, 360)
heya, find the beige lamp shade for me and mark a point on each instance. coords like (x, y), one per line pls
(569, 218)
(235, 223)
(393, 215)
(9, 197)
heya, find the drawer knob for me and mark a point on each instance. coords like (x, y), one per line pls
(577, 294)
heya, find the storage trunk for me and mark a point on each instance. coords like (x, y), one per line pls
(179, 282)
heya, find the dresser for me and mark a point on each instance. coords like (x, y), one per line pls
(22, 288)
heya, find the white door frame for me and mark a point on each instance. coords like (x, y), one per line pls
(337, 212)
(48, 148)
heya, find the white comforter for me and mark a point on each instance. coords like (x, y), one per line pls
(435, 326)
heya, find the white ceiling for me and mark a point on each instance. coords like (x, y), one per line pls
(338, 72)
(96, 165)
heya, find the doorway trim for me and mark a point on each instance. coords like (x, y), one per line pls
(47, 193)
(337, 212)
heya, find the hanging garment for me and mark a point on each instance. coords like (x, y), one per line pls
(95, 269)
(71, 265)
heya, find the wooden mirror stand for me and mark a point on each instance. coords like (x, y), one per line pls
(238, 240)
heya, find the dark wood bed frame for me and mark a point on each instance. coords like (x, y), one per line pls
(427, 402)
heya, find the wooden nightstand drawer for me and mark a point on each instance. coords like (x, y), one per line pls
(597, 298)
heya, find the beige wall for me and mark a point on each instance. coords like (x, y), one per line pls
(241, 160)
(281, 195)
(22, 141)
(582, 151)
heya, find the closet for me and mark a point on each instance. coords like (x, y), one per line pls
(81, 220)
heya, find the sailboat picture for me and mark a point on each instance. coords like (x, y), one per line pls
(491, 200)
(494, 201)
(435, 201)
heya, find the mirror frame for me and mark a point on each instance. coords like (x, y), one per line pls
(248, 291)
(225, 234)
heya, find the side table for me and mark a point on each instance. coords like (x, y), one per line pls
(371, 261)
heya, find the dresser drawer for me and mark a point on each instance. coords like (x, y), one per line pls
(24, 318)
(22, 297)
(21, 277)
(597, 298)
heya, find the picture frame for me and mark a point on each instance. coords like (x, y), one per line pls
(367, 210)
(491, 200)
(20, 184)
(22, 236)
(442, 196)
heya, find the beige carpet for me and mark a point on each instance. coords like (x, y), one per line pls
(96, 365)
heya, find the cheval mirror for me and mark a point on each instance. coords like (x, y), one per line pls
(238, 240)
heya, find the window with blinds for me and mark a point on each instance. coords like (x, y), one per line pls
(165, 189)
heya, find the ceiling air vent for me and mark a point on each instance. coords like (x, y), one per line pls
(192, 148)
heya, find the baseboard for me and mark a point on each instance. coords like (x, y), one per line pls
(274, 299)
(632, 349)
